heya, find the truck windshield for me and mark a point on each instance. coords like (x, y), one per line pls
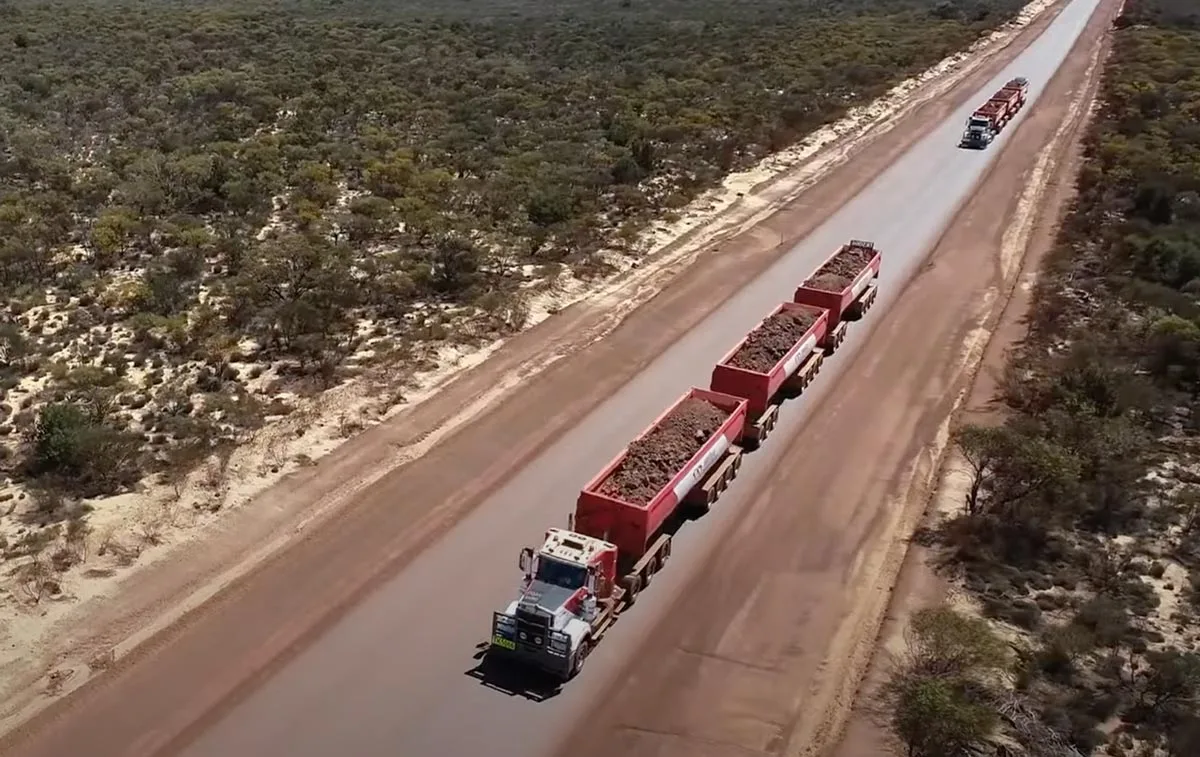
(979, 123)
(560, 573)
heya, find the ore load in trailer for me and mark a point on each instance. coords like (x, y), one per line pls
(846, 285)
(777, 359)
(990, 118)
(582, 577)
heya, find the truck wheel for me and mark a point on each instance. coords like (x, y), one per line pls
(651, 569)
(633, 585)
(585, 648)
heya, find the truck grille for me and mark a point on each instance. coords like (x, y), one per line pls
(532, 628)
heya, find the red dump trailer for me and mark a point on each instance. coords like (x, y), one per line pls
(581, 578)
(775, 360)
(610, 507)
(1017, 88)
(846, 285)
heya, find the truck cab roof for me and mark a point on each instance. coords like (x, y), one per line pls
(571, 547)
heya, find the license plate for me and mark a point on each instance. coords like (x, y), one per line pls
(500, 641)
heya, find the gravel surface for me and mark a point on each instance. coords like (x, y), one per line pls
(766, 345)
(839, 272)
(654, 459)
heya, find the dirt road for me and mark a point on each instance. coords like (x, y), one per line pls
(390, 676)
(764, 653)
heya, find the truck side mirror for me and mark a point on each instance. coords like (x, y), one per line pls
(591, 578)
(526, 561)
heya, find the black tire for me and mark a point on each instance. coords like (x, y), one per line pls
(632, 588)
(651, 569)
(585, 648)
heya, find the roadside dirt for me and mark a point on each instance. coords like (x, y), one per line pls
(654, 459)
(527, 394)
(765, 651)
(767, 344)
(919, 585)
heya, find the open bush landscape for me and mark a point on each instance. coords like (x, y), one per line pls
(231, 226)
(1077, 537)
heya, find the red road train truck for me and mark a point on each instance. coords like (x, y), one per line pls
(990, 118)
(582, 577)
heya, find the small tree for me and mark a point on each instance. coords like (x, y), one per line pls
(941, 717)
(980, 446)
(1170, 686)
(945, 644)
(1014, 470)
(59, 438)
(76, 448)
(938, 697)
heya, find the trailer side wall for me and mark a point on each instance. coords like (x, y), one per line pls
(757, 388)
(632, 526)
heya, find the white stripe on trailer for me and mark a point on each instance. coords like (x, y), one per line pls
(696, 474)
(795, 360)
(864, 279)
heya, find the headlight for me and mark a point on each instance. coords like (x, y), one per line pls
(506, 622)
(560, 645)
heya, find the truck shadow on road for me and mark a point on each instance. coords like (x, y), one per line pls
(511, 679)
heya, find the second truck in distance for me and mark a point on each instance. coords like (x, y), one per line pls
(582, 577)
(989, 119)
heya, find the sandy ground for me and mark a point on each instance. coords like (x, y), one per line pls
(57, 646)
(766, 651)
(1022, 238)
